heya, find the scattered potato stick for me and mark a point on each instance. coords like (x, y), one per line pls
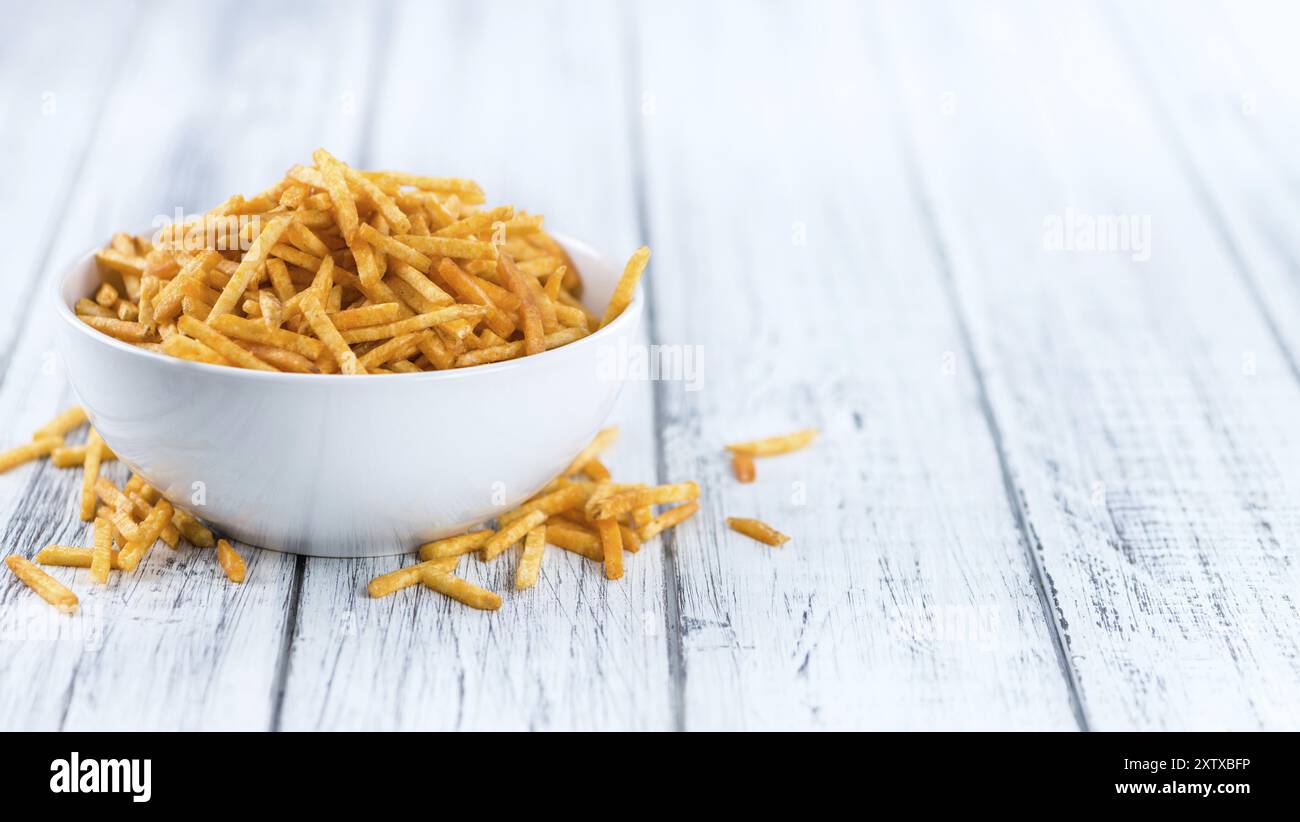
(667, 519)
(72, 557)
(571, 496)
(45, 586)
(631, 542)
(231, 562)
(511, 534)
(574, 538)
(618, 504)
(62, 423)
(69, 456)
(455, 546)
(194, 531)
(743, 465)
(611, 542)
(150, 530)
(771, 446)
(28, 451)
(626, 288)
(460, 590)
(101, 558)
(385, 584)
(757, 529)
(603, 440)
(94, 453)
(530, 564)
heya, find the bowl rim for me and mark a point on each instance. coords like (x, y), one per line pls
(629, 315)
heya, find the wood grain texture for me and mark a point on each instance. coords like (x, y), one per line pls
(1148, 414)
(541, 124)
(786, 248)
(173, 645)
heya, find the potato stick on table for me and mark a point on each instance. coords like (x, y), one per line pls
(231, 562)
(611, 543)
(455, 546)
(511, 534)
(757, 529)
(46, 587)
(69, 456)
(385, 584)
(459, 589)
(94, 453)
(669, 518)
(69, 556)
(571, 496)
(621, 503)
(28, 451)
(771, 446)
(101, 558)
(530, 564)
(150, 531)
(64, 422)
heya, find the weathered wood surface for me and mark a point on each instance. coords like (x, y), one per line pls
(1054, 489)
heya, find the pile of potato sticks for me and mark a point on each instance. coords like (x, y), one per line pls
(335, 270)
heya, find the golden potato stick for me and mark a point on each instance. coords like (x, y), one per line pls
(75, 455)
(455, 546)
(306, 240)
(121, 519)
(433, 348)
(666, 520)
(419, 322)
(770, 446)
(241, 328)
(603, 440)
(62, 423)
(460, 590)
(148, 291)
(380, 314)
(476, 223)
(150, 530)
(626, 287)
(443, 185)
(507, 351)
(281, 358)
(341, 200)
(328, 334)
(67, 556)
(530, 316)
(367, 265)
(45, 586)
(308, 176)
(194, 531)
(381, 201)
(106, 295)
(393, 248)
(111, 494)
(272, 313)
(596, 470)
(94, 453)
(121, 263)
(743, 465)
(554, 282)
(28, 451)
(86, 308)
(530, 564)
(571, 496)
(757, 529)
(621, 503)
(101, 558)
(550, 318)
(450, 247)
(423, 286)
(185, 348)
(118, 329)
(280, 279)
(611, 542)
(573, 538)
(469, 290)
(253, 260)
(398, 348)
(231, 562)
(631, 542)
(511, 534)
(222, 344)
(168, 302)
(385, 584)
(290, 254)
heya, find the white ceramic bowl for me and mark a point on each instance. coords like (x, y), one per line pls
(332, 465)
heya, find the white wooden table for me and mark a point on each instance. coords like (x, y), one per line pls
(1057, 488)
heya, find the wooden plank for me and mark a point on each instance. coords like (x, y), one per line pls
(542, 125)
(1157, 467)
(1225, 98)
(174, 645)
(786, 249)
